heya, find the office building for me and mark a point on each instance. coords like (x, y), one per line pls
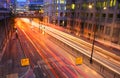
(55, 12)
(84, 17)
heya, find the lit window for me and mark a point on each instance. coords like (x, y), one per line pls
(57, 8)
(112, 3)
(57, 1)
(64, 8)
(62, 1)
(56, 13)
(73, 6)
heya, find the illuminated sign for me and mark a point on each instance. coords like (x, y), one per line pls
(25, 62)
(79, 60)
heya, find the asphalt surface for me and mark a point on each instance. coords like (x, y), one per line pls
(10, 62)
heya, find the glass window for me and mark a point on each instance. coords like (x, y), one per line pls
(119, 6)
(116, 32)
(97, 15)
(91, 15)
(118, 15)
(62, 1)
(107, 31)
(73, 6)
(62, 8)
(61, 14)
(98, 4)
(103, 15)
(90, 27)
(101, 28)
(84, 6)
(57, 8)
(57, 1)
(112, 3)
(110, 15)
(104, 4)
(56, 13)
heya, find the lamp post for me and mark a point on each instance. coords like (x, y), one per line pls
(94, 35)
(93, 42)
(94, 30)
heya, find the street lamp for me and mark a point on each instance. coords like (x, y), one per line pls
(94, 30)
(93, 42)
(91, 61)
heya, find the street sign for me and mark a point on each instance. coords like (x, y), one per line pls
(79, 60)
(25, 62)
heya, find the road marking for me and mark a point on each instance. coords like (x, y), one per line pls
(44, 74)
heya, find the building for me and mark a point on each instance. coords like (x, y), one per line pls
(102, 17)
(4, 9)
(21, 6)
(86, 17)
(6, 23)
(55, 12)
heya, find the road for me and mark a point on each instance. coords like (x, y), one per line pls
(106, 58)
(47, 59)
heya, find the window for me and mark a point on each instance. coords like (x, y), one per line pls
(57, 8)
(87, 15)
(116, 32)
(110, 15)
(56, 13)
(78, 14)
(73, 6)
(101, 28)
(98, 4)
(62, 1)
(72, 14)
(118, 15)
(61, 14)
(97, 15)
(63, 8)
(104, 4)
(103, 15)
(112, 3)
(57, 1)
(119, 6)
(107, 31)
(90, 27)
(91, 15)
(66, 14)
(84, 6)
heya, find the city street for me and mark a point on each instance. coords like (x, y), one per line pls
(47, 60)
(59, 38)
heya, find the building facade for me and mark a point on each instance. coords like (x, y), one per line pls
(86, 17)
(55, 12)
(99, 16)
(6, 23)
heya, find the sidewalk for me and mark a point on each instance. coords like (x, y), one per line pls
(10, 61)
(112, 47)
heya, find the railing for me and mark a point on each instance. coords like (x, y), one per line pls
(29, 15)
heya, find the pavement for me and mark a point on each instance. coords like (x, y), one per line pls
(10, 64)
(107, 45)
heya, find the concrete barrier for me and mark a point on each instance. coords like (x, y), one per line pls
(98, 67)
